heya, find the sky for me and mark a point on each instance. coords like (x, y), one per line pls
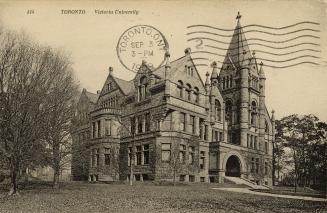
(91, 39)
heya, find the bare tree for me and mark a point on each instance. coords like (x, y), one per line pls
(57, 123)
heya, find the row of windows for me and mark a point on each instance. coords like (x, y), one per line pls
(252, 141)
(203, 129)
(168, 156)
(227, 82)
(189, 70)
(95, 157)
(111, 102)
(254, 82)
(141, 155)
(97, 128)
(255, 166)
(217, 135)
(192, 94)
(140, 123)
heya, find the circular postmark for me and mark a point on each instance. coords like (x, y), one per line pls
(139, 43)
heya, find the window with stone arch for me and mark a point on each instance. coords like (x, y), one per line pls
(180, 88)
(143, 88)
(254, 113)
(189, 92)
(196, 94)
(217, 110)
(229, 105)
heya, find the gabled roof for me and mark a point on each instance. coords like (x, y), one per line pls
(174, 66)
(91, 96)
(125, 86)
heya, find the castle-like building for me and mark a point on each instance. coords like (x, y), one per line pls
(170, 125)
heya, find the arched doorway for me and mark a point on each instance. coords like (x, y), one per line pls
(233, 167)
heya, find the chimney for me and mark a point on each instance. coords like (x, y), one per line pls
(111, 70)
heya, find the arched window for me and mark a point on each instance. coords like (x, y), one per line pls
(180, 88)
(189, 92)
(217, 110)
(223, 82)
(143, 88)
(231, 81)
(253, 113)
(229, 105)
(196, 94)
(227, 82)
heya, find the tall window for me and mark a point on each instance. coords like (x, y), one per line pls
(189, 92)
(229, 111)
(97, 156)
(146, 154)
(180, 88)
(132, 121)
(140, 123)
(253, 113)
(196, 94)
(266, 168)
(202, 160)
(266, 147)
(138, 155)
(257, 165)
(129, 156)
(108, 127)
(255, 142)
(206, 131)
(182, 151)
(99, 128)
(107, 156)
(183, 121)
(252, 165)
(143, 88)
(266, 127)
(165, 152)
(192, 123)
(217, 110)
(191, 154)
(147, 122)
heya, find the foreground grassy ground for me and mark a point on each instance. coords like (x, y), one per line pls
(84, 197)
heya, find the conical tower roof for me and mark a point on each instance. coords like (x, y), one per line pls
(238, 51)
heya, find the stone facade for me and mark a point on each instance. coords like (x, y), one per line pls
(169, 124)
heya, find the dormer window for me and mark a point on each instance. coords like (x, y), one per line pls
(142, 90)
(109, 86)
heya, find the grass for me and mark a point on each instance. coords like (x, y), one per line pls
(85, 197)
(282, 190)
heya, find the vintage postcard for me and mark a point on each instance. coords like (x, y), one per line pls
(163, 106)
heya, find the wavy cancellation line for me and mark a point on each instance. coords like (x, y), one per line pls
(253, 39)
(259, 26)
(258, 44)
(264, 59)
(266, 65)
(274, 34)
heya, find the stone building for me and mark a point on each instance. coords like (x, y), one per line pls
(172, 125)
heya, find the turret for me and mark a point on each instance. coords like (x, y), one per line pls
(167, 73)
(214, 74)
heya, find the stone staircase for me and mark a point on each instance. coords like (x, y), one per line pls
(244, 181)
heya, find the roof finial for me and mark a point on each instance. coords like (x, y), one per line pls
(238, 17)
(253, 53)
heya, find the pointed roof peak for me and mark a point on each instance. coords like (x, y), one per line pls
(238, 52)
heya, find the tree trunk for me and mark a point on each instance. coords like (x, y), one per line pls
(13, 170)
(56, 165)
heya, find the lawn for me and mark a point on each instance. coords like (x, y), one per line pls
(85, 197)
